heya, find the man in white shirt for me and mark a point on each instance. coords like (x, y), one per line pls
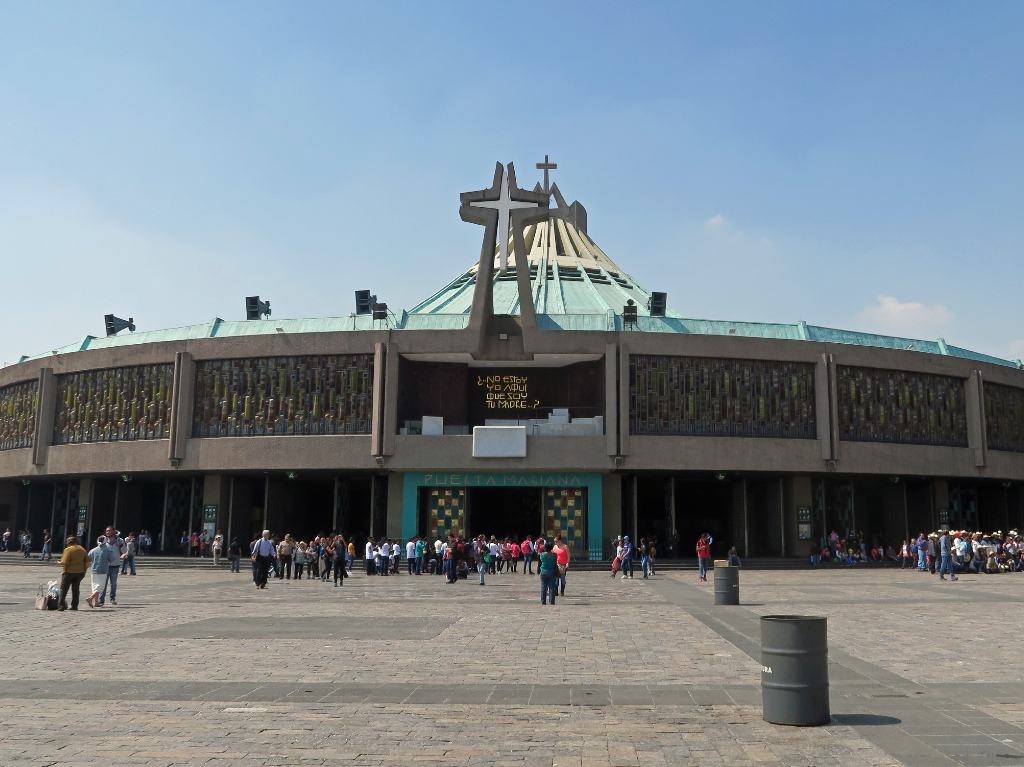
(410, 554)
(385, 554)
(264, 550)
(368, 557)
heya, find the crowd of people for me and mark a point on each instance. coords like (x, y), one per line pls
(944, 551)
(330, 558)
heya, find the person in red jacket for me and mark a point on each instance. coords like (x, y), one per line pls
(703, 556)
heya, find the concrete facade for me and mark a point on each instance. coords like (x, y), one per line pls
(362, 481)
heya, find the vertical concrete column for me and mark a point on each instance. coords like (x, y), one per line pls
(163, 517)
(215, 493)
(623, 400)
(231, 511)
(611, 510)
(940, 500)
(389, 426)
(976, 436)
(746, 519)
(86, 487)
(611, 398)
(782, 514)
(377, 422)
(182, 403)
(46, 402)
(823, 399)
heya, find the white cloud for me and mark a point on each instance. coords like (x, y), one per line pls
(717, 223)
(891, 316)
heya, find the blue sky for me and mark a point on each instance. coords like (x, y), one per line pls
(851, 165)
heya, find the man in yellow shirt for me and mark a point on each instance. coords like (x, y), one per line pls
(74, 561)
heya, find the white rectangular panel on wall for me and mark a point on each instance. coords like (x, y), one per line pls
(499, 441)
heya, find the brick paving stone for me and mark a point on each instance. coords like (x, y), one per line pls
(617, 673)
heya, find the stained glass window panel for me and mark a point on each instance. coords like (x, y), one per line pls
(18, 414)
(900, 406)
(1004, 417)
(704, 396)
(129, 403)
(265, 396)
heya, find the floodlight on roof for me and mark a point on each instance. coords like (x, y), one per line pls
(255, 308)
(115, 325)
(380, 311)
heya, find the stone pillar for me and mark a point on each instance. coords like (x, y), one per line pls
(611, 510)
(182, 404)
(86, 487)
(45, 407)
(379, 390)
(611, 399)
(823, 394)
(975, 400)
(623, 400)
(389, 427)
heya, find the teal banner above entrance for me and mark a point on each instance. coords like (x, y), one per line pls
(591, 482)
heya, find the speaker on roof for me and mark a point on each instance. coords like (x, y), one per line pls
(115, 324)
(364, 302)
(380, 311)
(254, 308)
(658, 304)
(629, 313)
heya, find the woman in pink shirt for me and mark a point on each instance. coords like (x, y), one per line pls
(515, 551)
(561, 552)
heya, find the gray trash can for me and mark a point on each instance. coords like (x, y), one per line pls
(727, 583)
(794, 669)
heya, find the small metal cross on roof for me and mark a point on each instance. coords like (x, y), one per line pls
(546, 166)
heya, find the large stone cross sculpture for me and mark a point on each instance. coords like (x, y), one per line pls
(504, 205)
(504, 211)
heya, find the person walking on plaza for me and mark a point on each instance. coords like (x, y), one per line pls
(547, 568)
(368, 556)
(410, 555)
(263, 551)
(627, 557)
(98, 571)
(922, 551)
(235, 555)
(482, 555)
(131, 547)
(515, 551)
(5, 542)
(73, 562)
(285, 549)
(47, 552)
(218, 547)
(420, 551)
(526, 547)
(115, 548)
(562, 556)
(26, 544)
(703, 556)
(336, 551)
(945, 557)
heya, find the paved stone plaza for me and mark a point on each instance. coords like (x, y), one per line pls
(199, 668)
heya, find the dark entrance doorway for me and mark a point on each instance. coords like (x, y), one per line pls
(505, 512)
(708, 506)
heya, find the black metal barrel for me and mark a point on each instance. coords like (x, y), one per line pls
(794, 669)
(727, 583)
